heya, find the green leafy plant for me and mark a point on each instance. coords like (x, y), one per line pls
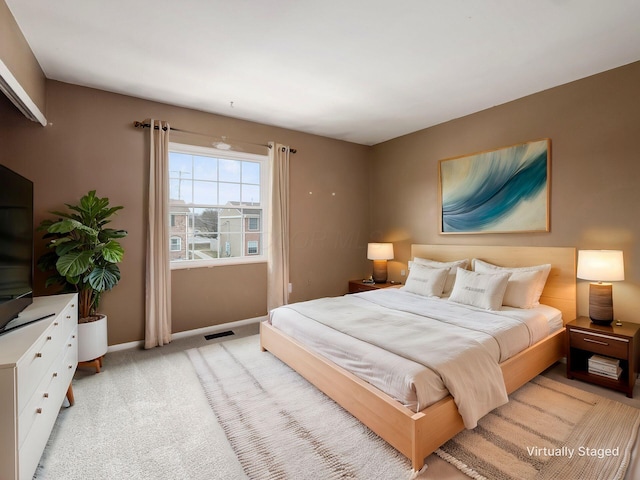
(83, 254)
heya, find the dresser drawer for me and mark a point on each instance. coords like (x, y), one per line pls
(600, 343)
(38, 359)
(50, 393)
(30, 451)
(42, 353)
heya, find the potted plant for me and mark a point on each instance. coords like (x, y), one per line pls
(83, 257)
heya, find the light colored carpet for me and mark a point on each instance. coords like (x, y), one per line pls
(548, 430)
(143, 417)
(146, 417)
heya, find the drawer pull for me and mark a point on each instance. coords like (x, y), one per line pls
(39, 355)
(68, 316)
(49, 337)
(600, 335)
(55, 374)
(56, 323)
(38, 410)
(70, 345)
(596, 341)
(70, 366)
(45, 395)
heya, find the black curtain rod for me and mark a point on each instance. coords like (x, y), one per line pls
(155, 127)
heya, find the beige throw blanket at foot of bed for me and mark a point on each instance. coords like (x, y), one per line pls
(467, 369)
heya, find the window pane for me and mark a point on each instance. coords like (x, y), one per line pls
(252, 247)
(253, 224)
(205, 168)
(202, 245)
(229, 170)
(251, 194)
(180, 175)
(251, 172)
(252, 218)
(253, 243)
(178, 233)
(180, 165)
(205, 220)
(204, 193)
(181, 190)
(230, 245)
(229, 192)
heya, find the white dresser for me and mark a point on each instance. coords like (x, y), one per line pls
(37, 363)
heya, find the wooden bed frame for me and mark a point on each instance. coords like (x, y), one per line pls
(417, 435)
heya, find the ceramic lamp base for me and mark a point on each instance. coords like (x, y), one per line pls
(601, 303)
(380, 271)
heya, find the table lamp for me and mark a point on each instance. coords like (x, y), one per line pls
(380, 253)
(600, 266)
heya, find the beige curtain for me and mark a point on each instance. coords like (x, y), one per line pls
(278, 264)
(158, 274)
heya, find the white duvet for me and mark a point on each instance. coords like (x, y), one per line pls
(417, 349)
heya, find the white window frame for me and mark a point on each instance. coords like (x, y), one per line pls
(264, 203)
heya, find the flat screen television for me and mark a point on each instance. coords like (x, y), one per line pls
(16, 245)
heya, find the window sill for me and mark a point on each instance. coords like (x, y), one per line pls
(221, 262)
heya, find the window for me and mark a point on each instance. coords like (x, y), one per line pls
(217, 206)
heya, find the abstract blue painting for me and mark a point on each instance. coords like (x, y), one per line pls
(499, 191)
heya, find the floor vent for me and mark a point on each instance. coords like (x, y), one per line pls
(211, 336)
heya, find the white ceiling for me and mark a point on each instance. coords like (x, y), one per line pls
(364, 71)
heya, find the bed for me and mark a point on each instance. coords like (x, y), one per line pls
(416, 434)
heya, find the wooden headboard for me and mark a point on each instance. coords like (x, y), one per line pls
(560, 289)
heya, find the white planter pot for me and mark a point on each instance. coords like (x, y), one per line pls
(92, 339)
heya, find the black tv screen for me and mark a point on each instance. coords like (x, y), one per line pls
(16, 245)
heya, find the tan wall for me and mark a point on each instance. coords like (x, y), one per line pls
(91, 144)
(19, 59)
(594, 129)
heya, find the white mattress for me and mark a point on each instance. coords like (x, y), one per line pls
(407, 381)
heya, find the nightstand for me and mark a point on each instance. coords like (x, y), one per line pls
(585, 339)
(356, 286)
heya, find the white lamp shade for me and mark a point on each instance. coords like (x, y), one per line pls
(380, 251)
(600, 265)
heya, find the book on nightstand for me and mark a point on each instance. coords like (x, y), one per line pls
(605, 366)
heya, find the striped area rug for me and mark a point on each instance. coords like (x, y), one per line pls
(280, 426)
(548, 430)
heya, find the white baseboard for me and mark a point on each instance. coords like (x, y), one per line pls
(190, 333)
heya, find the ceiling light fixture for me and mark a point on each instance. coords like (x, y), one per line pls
(223, 145)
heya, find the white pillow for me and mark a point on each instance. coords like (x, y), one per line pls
(525, 284)
(426, 281)
(453, 266)
(482, 290)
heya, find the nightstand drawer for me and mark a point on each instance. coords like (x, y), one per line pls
(600, 343)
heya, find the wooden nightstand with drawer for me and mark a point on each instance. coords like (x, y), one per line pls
(621, 343)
